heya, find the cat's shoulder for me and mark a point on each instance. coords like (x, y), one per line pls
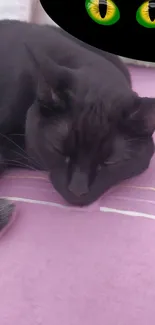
(114, 59)
(60, 45)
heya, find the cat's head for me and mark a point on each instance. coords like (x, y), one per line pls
(86, 140)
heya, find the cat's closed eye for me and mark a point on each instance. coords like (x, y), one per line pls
(99, 167)
(119, 151)
(67, 160)
(111, 162)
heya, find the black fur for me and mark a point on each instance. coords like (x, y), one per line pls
(70, 110)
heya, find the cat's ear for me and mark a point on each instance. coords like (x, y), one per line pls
(142, 116)
(55, 83)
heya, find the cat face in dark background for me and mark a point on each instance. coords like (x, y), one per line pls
(125, 28)
(85, 147)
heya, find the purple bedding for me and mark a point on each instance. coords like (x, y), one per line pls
(80, 266)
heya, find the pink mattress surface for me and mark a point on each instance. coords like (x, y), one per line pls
(62, 265)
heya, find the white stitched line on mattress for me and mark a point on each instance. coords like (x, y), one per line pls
(125, 198)
(128, 213)
(20, 199)
(102, 209)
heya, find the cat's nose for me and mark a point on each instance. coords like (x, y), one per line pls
(78, 185)
(78, 191)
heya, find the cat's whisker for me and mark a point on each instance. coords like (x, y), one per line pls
(43, 166)
(21, 134)
(135, 139)
(20, 164)
(16, 145)
(29, 159)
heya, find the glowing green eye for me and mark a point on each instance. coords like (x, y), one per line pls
(103, 12)
(146, 14)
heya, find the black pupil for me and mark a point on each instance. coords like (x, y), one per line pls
(151, 10)
(103, 8)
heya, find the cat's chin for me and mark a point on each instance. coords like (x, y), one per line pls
(58, 181)
(106, 179)
(82, 201)
(96, 191)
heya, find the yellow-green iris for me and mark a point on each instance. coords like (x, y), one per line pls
(143, 17)
(112, 12)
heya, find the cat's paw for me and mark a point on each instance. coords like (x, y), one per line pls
(6, 211)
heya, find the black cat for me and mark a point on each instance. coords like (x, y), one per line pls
(70, 111)
(123, 27)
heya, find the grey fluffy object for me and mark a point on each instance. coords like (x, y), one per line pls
(6, 211)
